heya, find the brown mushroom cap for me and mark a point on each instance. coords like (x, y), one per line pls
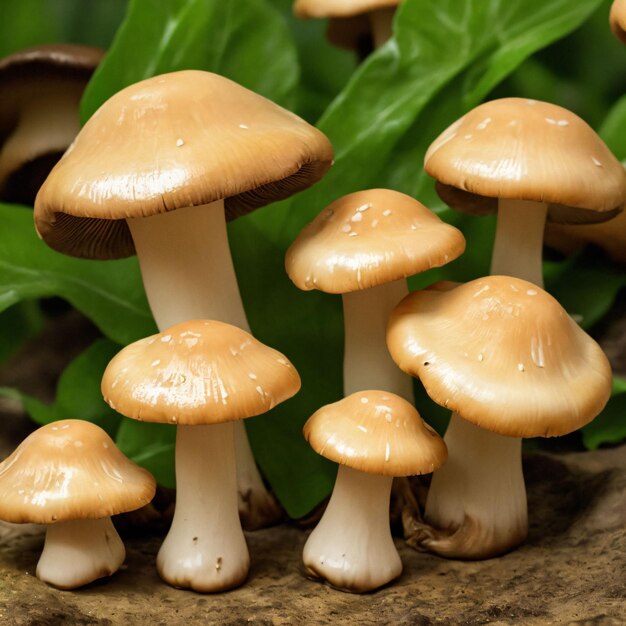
(376, 432)
(527, 150)
(369, 238)
(339, 8)
(617, 19)
(503, 354)
(70, 470)
(182, 139)
(198, 372)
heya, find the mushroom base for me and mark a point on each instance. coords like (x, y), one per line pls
(476, 507)
(352, 548)
(205, 549)
(78, 552)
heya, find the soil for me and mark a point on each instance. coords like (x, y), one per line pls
(572, 570)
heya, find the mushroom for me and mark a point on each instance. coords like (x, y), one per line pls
(197, 149)
(617, 19)
(505, 357)
(39, 112)
(373, 435)
(528, 160)
(363, 246)
(69, 475)
(354, 24)
(201, 375)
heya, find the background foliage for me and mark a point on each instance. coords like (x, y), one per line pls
(445, 58)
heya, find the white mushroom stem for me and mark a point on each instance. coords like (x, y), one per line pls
(352, 547)
(188, 273)
(42, 128)
(477, 500)
(205, 548)
(518, 247)
(381, 23)
(367, 363)
(78, 552)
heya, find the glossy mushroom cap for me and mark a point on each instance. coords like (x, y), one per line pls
(49, 79)
(527, 150)
(503, 354)
(198, 372)
(182, 139)
(617, 19)
(378, 433)
(369, 238)
(70, 470)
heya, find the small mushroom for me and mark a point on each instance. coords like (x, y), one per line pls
(39, 112)
(201, 376)
(69, 475)
(373, 435)
(363, 246)
(198, 150)
(527, 160)
(354, 24)
(505, 357)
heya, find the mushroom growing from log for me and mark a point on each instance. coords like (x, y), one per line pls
(69, 475)
(373, 435)
(507, 359)
(198, 150)
(201, 376)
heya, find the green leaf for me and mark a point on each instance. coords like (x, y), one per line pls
(151, 446)
(247, 41)
(613, 129)
(18, 323)
(105, 291)
(610, 426)
(78, 391)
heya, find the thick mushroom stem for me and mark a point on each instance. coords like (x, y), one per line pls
(476, 505)
(381, 23)
(78, 552)
(518, 248)
(188, 273)
(351, 547)
(205, 549)
(367, 363)
(42, 130)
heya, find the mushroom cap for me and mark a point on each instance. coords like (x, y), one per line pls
(527, 150)
(62, 59)
(182, 139)
(376, 432)
(503, 354)
(617, 19)
(198, 372)
(369, 238)
(338, 8)
(69, 470)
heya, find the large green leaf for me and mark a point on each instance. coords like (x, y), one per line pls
(105, 291)
(246, 40)
(610, 426)
(18, 323)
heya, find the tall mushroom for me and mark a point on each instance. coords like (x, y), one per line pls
(158, 169)
(202, 376)
(363, 246)
(39, 112)
(69, 475)
(373, 435)
(617, 19)
(530, 161)
(506, 358)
